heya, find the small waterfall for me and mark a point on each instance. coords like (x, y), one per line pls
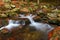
(38, 26)
(11, 25)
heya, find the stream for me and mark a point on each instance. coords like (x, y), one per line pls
(39, 26)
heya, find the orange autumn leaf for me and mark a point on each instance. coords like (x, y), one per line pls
(50, 35)
(56, 38)
(52, 32)
(14, 2)
(1, 3)
(11, 38)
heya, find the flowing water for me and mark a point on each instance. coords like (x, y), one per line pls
(45, 28)
(11, 25)
(39, 26)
